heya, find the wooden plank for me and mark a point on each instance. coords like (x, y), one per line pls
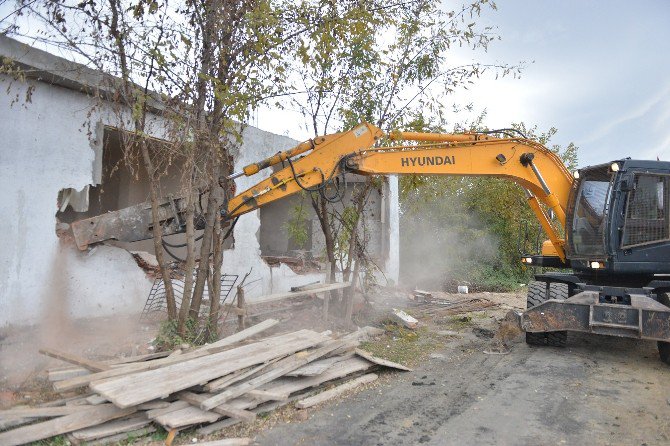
(380, 361)
(222, 409)
(335, 391)
(226, 381)
(307, 286)
(114, 439)
(216, 347)
(264, 395)
(13, 422)
(94, 400)
(60, 375)
(186, 416)
(242, 335)
(94, 366)
(281, 368)
(63, 401)
(137, 388)
(177, 405)
(40, 412)
(82, 419)
(318, 367)
(151, 405)
(228, 442)
(111, 428)
(281, 296)
(219, 425)
(81, 401)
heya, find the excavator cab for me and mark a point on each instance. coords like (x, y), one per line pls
(618, 246)
(618, 220)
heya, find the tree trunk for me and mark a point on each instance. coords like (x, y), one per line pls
(190, 263)
(359, 201)
(210, 218)
(158, 234)
(215, 291)
(321, 208)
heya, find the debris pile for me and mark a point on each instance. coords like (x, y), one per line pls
(213, 386)
(429, 304)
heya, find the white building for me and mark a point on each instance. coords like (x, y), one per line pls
(58, 136)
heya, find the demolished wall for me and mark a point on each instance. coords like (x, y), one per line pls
(54, 141)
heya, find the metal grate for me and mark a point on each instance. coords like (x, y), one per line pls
(157, 304)
(647, 211)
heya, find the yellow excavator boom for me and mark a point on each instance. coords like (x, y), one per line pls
(538, 170)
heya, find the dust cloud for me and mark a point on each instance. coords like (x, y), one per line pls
(93, 338)
(438, 251)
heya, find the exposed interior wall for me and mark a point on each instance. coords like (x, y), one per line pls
(274, 235)
(245, 255)
(122, 185)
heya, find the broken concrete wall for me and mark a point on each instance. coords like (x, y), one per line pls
(245, 255)
(48, 146)
(55, 141)
(392, 223)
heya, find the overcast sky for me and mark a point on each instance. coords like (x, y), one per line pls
(600, 76)
(598, 71)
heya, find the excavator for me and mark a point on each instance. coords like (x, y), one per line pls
(608, 225)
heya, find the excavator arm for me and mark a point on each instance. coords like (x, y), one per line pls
(538, 170)
(365, 150)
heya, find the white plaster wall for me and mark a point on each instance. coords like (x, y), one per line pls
(46, 146)
(246, 252)
(393, 262)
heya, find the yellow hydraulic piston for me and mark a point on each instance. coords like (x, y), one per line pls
(280, 157)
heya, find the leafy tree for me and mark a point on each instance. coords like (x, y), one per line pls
(204, 66)
(389, 64)
(473, 229)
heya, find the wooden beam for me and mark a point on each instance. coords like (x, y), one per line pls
(288, 295)
(94, 366)
(335, 391)
(80, 420)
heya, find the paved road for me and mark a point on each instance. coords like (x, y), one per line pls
(598, 390)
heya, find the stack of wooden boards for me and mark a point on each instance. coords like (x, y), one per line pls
(212, 387)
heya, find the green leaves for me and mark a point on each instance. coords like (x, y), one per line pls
(472, 228)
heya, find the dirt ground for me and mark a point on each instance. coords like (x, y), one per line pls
(598, 390)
